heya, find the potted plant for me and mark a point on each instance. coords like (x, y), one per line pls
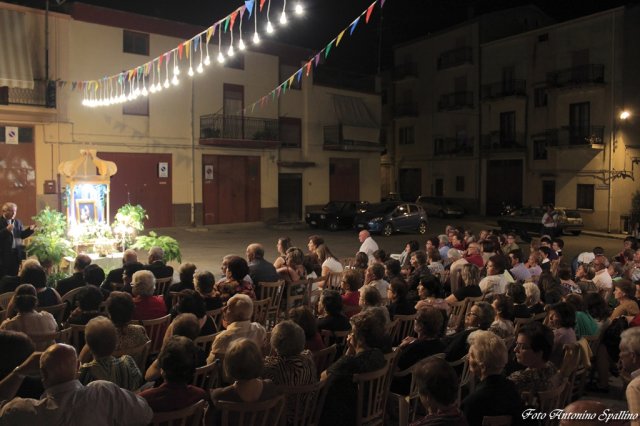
(49, 243)
(168, 244)
(128, 222)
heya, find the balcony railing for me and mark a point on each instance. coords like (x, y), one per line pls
(334, 140)
(456, 100)
(455, 57)
(576, 76)
(406, 70)
(42, 95)
(333, 77)
(503, 89)
(575, 136)
(500, 142)
(405, 109)
(218, 126)
(453, 146)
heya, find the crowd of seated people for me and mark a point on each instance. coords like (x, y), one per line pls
(511, 344)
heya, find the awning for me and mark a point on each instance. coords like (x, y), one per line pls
(15, 57)
(358, 123)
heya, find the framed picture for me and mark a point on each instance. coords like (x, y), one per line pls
(86, 211)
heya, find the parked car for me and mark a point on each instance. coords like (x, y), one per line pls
(528, 220)
(390, 217)
(440, 206)
(335, 215)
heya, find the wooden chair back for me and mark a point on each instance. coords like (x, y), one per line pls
(333, 281)
(571, 361)
(69, 297)
(190, 416)
(257, 413)
(216, 316)
(496, 421)
(39, 340)
(404, 328)
(162, 286)
(208, 376)
(204, 342)
(324, 358)
(594, 341)
(470, 302)
(371, 397)
(273, 291)
(330, 337)
(466, 378)
(296, 294)
(139, 353)
(56, 310)
(456, 316)
(64, 336)
(314, 300)
(301, 403)
(5, 298)
(261, 311)
(176, 297)
(546, 401)
(155, 330)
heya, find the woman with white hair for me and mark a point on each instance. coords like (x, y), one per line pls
(533, 302)
(148, 306)
(495, 395)
(291, 365)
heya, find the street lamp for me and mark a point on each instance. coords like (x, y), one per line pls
(624, 115)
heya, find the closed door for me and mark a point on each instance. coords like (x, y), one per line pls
(504, 184)
(232, 110)
(289, 197)
(410, 181)
(439, 187)
(548, 192)
(18, 175)
(344, 179)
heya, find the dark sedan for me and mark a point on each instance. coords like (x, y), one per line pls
(335, 215)
(528, 220)
(387, 218)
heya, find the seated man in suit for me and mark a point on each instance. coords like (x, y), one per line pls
(157, 264)
(115, 275)
(77, 279)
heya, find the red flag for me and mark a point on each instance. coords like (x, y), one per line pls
(369, 11)
(180, 50)
(233, 18)
(309, 67)
(262, 4)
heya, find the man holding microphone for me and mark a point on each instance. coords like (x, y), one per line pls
(11, 236)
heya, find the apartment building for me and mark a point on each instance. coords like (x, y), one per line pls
(223, 165)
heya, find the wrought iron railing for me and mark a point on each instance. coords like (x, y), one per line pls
(576, 76)
(456, 100)
(333, 77)
(220, 126)
(574, 136)
(453, 146)
(335, 141)
(501, 142)
(43, 94)
(406, 70)
(504, 88)
(405, 109)
(455, 57)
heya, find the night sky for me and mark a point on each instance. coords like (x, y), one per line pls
(324, 19)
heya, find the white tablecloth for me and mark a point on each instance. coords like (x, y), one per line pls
(107, 263)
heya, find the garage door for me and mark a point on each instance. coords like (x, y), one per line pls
(504, 184)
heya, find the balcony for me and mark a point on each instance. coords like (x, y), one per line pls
(591, 136)
(405, 109)
(42, 95)
(342, 79)
(502, 89)
(577, 76)
(453, 147)
(239, 131)
(456, 100)
(405, 71)
(454, 57)
(497, 142)
(348, 138)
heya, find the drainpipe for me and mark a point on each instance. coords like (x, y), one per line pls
(46, 42)
(612, 126)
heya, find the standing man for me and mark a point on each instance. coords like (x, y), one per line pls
(11, 236)
(368, 244)
(549, 221)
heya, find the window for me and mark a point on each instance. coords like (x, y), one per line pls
(507, 128)
(406, 136)
(25, 134)
(540, 97)
(459, 183)
(286, 71)
(236, 62)
(579, 123)
(290, 132)
(540, 149)
(138, 106)
(137, 43)
(585, 197)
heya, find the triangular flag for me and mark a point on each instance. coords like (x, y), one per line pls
(317, 59)
(340, 37)
(262, 4)
(291, 80)
(196, 42)
(210, 32)
(233, 18)
(180, 50)
(273, 93)
(279, 89)
(299, 75)
(353, 26)
(226, 24)
(73, 85)
(187, 46)
(249, 4)
(309, 67)
(382, 3)
(284, 88)
(160, 59)
(369, 11)
(242, 9)
(328, 49)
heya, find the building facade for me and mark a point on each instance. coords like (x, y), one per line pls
(221, 163)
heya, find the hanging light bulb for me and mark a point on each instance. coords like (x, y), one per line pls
(158, 87)
(176, 70)
(269, 27)
(175, 80)
(231, 52)
(200, 68)
(256, 38)
(85, 102)
(299, 9)
(145, 93)
(220, 58)
(207, 61)
(190, 71)
(241, 45)
(283, 18)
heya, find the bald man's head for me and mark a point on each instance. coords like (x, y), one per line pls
(363, 235)
(58, 364)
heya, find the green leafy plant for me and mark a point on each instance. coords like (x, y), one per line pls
(128, 222)
(169, 245)
(635, 209)
(49, 243)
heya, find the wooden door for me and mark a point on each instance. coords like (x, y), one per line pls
(289, 197)
(231, 189)
(18, 175)
(138, 182)
(504, 184)
(344, 179)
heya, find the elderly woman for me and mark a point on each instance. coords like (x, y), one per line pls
(351, 282)
(428, 327)
(437, 384)
(203, 282)
(398, 303)
(186, 272)
(470, 275)
(434, 261)
(147, 306)
(28, 320)
(89, 300)
(480, 317)
(562, 319)
(192, 302)
(494, 282)
(100, 335)
(16, 348)
(420, 269)
(35, 274)
(533, 302)
(533, 348)
(533, 264)
(495, 395)
(291, 365)
(177, 363)
(236, 283)
(331, 306)
(120, 307)
(584, 278)
(303, 316)
(503, 323)
(283, 244)
(362, 356)
(370, 299)
(624, 292)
